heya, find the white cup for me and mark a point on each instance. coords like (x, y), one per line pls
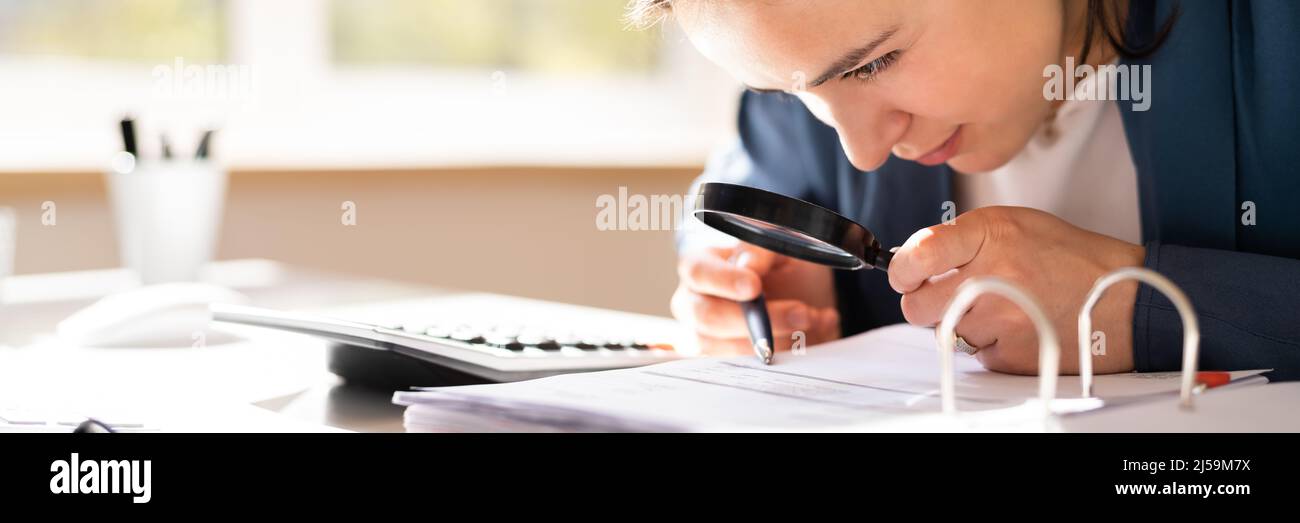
(168, 215)
(8, 244)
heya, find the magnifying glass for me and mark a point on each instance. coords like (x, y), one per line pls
(788, 226)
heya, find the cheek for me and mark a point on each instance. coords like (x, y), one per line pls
(977, 70)
(983, 86)
(997, 55)
(930, 83)
(1000, 103)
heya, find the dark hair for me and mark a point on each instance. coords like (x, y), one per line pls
(1103, 21)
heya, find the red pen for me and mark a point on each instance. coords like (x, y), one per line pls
(1212, 379)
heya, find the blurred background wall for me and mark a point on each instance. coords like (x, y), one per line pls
(528, 232)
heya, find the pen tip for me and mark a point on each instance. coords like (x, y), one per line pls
(764, 352)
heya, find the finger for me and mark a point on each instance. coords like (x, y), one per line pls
(722, 318)
(709, 272)
(935, 250)
(1016, 349)
(979, 326)
(724, 347)
(711, 346)
(784, 340)
(926, 305)
(716, 317)
(1010, 358)
(828, 325)
(825, 326)
(790, 315)
(756, 258)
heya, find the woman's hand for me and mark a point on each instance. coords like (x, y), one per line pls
(1054, 261)
(800, 298)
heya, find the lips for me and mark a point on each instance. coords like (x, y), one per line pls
(943, 152)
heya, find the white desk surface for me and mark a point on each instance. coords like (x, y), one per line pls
(265, 380)
(274, 371)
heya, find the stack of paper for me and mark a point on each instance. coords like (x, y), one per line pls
(879, 380)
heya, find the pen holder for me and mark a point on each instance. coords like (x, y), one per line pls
(168, 215)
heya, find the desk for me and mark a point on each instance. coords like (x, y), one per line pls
(278, 372)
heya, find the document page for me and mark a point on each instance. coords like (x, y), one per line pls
(879, 375)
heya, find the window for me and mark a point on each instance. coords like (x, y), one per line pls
(355, 83)
(562, 36)
(127, 30)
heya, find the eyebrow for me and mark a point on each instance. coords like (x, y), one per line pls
(851, 58)
(846, 62)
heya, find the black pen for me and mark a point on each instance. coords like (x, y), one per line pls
(128, 136)
(204, 143)
(758, 321)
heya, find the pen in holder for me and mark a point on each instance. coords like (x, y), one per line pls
(1049, 347)
(168, 214)
(1191, 329)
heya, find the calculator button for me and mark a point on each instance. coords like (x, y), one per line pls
(415, 327)
(467, 336)
(504, 342)
(437, 331)
(504, 330)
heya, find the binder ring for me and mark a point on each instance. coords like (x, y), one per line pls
(1191, 329)
(1049, 347)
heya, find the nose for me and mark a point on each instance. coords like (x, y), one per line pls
(921, 137)
(868, 125)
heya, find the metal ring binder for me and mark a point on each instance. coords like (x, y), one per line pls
(1191, 330)
(1049, 347)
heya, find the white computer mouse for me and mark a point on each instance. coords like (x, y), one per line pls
(163, 315)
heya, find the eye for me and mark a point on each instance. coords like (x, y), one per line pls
(870, 70)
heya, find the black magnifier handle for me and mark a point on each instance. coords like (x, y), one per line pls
(882, 260)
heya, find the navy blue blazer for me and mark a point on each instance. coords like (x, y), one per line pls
(1223, 129)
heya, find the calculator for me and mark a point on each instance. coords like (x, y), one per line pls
(490, 337)
(18, 419)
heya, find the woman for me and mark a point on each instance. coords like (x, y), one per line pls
(1187, 167)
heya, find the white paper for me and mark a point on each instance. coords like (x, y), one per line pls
(880, 376)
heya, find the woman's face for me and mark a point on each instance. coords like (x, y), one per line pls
(935, 81)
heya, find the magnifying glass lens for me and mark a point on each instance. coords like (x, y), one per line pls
(784, 240)
(789, 226)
